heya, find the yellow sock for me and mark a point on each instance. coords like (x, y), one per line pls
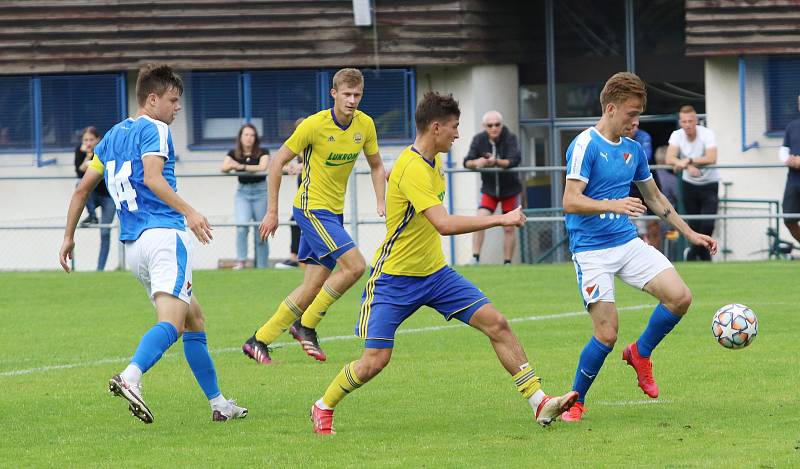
(286, 314)
(344, 383)
(527, 382)
(317, 309)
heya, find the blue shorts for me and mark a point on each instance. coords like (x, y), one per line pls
(322, 237)
(388, 300)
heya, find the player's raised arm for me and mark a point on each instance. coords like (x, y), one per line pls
(154, 180)
(447, 224)
(662, 207)
(270, 222)
(575, 201)
(76, 204)
(379, 178)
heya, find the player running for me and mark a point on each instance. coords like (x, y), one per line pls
(601, 163)
(329, 142)
(409, 271)
(137, 160)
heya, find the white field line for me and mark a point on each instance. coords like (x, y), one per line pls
(66, 366)
(628, 403)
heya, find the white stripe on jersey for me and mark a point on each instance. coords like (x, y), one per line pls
(163, 134)
(578, 150)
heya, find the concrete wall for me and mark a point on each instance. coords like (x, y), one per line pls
(724, 117)
(38, 202)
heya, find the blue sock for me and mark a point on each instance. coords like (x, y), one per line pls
(661, 322)
(154, 343)
(592, 358)
(196, 351)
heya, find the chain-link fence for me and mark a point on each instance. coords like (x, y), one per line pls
(747, 229)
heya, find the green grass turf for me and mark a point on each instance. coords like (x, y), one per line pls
(444, 401)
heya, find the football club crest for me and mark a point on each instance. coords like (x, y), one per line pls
(592, 291)
(358, 138)
(627, 157)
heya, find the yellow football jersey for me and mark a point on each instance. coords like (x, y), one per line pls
(329, 152)
(412, 245)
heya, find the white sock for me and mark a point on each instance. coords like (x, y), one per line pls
(218, 402)
(322, 405)
(536, 399)
(132, 374)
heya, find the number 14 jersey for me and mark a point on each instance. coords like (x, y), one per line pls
(607, 168)
(119, 158)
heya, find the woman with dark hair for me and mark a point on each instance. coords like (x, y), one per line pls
(251, 196)
(84, 153)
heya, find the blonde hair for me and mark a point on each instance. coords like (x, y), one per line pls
(349, 76)
(687, 109)
(620, 87)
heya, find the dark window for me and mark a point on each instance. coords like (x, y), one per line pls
(386, 100)
(660, 42)
(783, 87)
(273, 100)
(16, 113)
(589, 48)
(72, 103)
(279, 98)
(216, 107)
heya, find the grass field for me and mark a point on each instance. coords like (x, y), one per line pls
(444, 401)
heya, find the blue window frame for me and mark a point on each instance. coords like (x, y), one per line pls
(46, 113)
(16, 113)
(273, 100)
(783, 86)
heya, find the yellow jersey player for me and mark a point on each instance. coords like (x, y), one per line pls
(329, 143)
(409, 271)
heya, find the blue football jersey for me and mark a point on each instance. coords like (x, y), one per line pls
(121, 151)
(608, 169)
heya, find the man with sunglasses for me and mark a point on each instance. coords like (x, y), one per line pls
(495, 147)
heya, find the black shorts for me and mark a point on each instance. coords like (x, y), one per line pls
(791, 202)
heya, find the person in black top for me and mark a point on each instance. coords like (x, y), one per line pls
(295, 167)
(99, 197)
(496, 147)
(251, 196)
(790, 156)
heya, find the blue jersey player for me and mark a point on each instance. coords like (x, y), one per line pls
(601, 164)
(137, 160)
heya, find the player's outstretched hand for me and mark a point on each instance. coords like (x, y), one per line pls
(631, 206)
(65, 254)
(200, 227)
(268, 225)
(514, 217)
(703, 240)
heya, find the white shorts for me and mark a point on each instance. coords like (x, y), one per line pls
(635, 262)
(162, 261)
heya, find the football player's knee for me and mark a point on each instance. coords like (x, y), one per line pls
(607, 335)
(370, 368)
(683, 301)
(497, 327)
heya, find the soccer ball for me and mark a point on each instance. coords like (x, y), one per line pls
(734, 326)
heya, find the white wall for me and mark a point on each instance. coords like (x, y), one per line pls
(38, 202)
(478, 89)
(724, 117)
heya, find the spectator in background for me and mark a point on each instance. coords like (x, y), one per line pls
(650, 228)
(495, 147)
(295, 167)
(99, 196)
(251, 196)
(790, 156)
(691, 148)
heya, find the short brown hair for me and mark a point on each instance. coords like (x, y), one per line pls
(620, 87)
(687, 109)
(156, 78)
(434, 106)
(349, 76)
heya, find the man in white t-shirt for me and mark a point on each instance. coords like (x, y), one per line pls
(691, 149)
